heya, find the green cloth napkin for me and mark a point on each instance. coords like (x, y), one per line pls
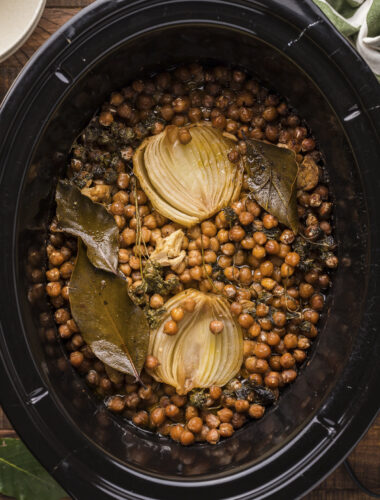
(359, 21)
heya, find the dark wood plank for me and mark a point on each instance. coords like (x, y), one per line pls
(365, 459)
(5, 425)
(51, 20)
(68, 3)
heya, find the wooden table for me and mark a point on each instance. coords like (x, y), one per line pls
(366, 457)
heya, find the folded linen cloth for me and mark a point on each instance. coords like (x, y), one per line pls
(359, 21)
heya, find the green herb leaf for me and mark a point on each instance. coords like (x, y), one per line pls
(198, 398)
(272, 180)
(114, 327)
(154, 316)
(22, 477)
(231, 216)
(80, 216)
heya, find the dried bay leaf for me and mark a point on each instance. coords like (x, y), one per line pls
(114, 327)
(115, 376)
(272, 180)
(78, 215)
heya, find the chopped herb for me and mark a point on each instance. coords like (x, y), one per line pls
(272, 234)
(305, 327)
(231, 216)
(154, 315)
(198, 398)
(155, 283)
(264, 297)
(263, 395)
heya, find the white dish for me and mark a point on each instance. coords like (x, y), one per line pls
(18, 18)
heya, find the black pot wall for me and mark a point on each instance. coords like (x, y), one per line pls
(293, 50)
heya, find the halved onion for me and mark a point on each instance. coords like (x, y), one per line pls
(188, 183)
(195, 357)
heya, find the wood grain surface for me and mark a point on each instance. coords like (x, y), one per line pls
(365, 459)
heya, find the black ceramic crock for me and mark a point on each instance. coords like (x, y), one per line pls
(293, 49)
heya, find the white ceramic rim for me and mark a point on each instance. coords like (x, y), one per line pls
(20, 41)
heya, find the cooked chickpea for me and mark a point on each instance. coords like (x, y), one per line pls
(76, 358)
(157, 416)
(195, 424)
(178, 400)
(254, 330)
(226, 429)
(236, 233)
(228, 249)
(189, 304)
(256, 411)
(272, 247)
(245, 275)
(292, 259)
(241, 405)
(317, 302)
(156, 301)
(262, 350)
(53, 289)
(245, 320)
(299, 355)
(177, 313)
(225, 415)
(170, 327)
(238, 420)
(196, 273)
(286, 270)
(176, 432)
(216, 326)
(213, 436)
(172, 411)
(208, 228)
(128, 236)
(260, 237)
(259, 252)
(214, 244)
(53, 274)
(236, 308)
(268, 283)
(151, 362)
(288, 376)
(222, 236)
(56, 258)
(245, 218)
(116, 404)
(279, 318)
(266, 268)
(210, 257)
(290, 341)
(187, 438)
(231, 273)
(247, 243)
(287, 360)
(272, 379)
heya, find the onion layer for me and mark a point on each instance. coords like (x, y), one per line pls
(195, 357)
(188, 183)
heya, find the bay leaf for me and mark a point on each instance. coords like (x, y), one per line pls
(22, 476)
(114, 327)
(115, 376)
(272, 180)
(78, 215)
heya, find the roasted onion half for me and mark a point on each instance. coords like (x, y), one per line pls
(188, 183)
(194, 356)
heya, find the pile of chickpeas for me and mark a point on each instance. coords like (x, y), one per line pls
(252, 261)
